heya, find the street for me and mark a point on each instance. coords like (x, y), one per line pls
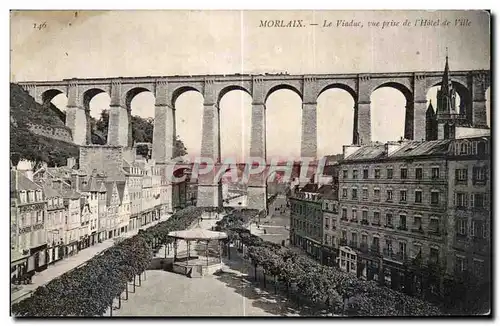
(65, 265)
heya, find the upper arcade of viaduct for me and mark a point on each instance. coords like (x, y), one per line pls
(470, 85)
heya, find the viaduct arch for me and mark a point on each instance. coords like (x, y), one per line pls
(471, 86)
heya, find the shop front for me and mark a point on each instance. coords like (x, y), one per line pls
(39, 255)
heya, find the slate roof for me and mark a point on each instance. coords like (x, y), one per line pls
(376, 151)
(50, 192)
(423, 148)
(367, 152)
(19, 181)
(310, 187)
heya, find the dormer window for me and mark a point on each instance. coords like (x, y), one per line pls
(22, 196)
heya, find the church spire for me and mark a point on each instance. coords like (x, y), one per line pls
(446, 95)
(446, 83)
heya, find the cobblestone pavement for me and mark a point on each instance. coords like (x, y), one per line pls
(63, 266)
(276, 225)
(230, 293)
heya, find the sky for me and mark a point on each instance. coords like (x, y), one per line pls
(57, 45)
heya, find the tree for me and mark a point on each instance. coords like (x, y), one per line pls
(179, 148)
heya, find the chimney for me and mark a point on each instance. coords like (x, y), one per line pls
(391, 147)
(75, 181)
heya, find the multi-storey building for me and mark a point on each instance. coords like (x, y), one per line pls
(113, 207)
(407, 205)
(330, 202)
(28, 234)
(73, 217)
(306, 221)
(147, 203)
(124, 207)
(133, 177)
(55, 224)
(469, 214)
(90, 187)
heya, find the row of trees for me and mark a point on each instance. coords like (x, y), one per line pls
(90, 289)
(142, 132)
(323, 286)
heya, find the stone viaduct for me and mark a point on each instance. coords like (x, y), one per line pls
(470, 85)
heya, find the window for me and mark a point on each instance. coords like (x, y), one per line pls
(419, 173)
(344, 213)
(434, 225)
(404, 173)
(365, 193)
(462, 227)
(418, 196)
(364, 215)
(365, 173)
(388, 219)
(389, 195)
(417, 223)
(461, 176)
(354, 174)
(435, 173)
(354, 239)
(478, 267)
(354, 193)
(376, 194)
(344, 192)
(376, 218)
(481, 148)
(377, 173)
(461, 200)
(417, 250)
(388, 246)
(460, 264)
(344, 174)
(389, 173)
(402, 249)
(477, 229)
(364, 239)
(402, 222)
(402, 196)
(434, 197)
(463, 149)
(354, 214)
(434, 255)
(478, 200)
(327, 220)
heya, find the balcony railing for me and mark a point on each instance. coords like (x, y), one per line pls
(363, 247)
(354, 220)
(389, 226)
(364, 222)
(397, 256)
(402, 228)
(417, 230)
(435, 232)
(343, 242)
(353, 244)
(479, 181)
(343, 219)
(375, 223)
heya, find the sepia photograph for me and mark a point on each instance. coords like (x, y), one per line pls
(250, 163)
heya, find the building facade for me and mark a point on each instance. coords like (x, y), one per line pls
(306, 221)
(28, 233)
(409, 211)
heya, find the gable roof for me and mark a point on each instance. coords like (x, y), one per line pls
(19, 182)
